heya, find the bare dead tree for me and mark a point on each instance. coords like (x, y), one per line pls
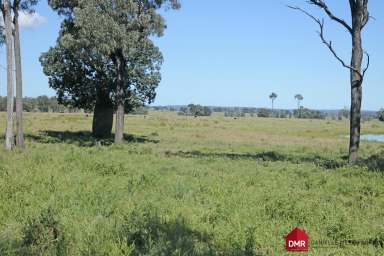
(360, 17)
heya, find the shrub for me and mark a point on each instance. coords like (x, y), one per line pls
(43, 236)
(140, 111)
(195, 110)
(264, 112)
(234, 113)
(306, 113)
(380, 115)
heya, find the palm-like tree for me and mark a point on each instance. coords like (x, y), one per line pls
(273, 97)
(299, 98)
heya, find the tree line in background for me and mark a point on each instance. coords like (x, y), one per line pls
(40, 104)
(237, 112)
(195, 110)
(47, 104)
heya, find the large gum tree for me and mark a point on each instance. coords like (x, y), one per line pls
(104, 59)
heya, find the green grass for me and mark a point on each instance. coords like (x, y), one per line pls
(186, 186)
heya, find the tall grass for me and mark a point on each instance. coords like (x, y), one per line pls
(186, 186)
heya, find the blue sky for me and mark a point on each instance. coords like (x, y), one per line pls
(235, 53)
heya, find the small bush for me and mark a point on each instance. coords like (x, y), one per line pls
(380, 115)
(43, 236)
(263, 112)
(195, 110)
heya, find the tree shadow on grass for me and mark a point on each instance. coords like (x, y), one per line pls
(141, 235)
(374, 162)
(83, 138)
(151, 235)
(267, 156)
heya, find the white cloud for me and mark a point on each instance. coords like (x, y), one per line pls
(31, 20)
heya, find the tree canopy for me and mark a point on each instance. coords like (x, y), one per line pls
(273, 96)
(82, 60)
(104, 51)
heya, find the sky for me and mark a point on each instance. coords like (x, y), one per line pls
(236, 53)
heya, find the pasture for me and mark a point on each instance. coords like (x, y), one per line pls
(189, 186)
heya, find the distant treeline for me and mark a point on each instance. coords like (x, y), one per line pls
(195, 110)
(40, 104)
(51, 104)
(305, 113)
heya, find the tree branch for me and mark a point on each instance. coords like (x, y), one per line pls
(366, 15)
(324, 6)
(329, 43)
(368, 62)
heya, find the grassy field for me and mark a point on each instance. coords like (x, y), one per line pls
(189, 186)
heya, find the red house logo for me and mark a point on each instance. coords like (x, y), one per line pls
(296, 240)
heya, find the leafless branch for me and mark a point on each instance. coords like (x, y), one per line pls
(366, 15)
(317, 20)
(327, 43)
(324, 6)
(368, 62)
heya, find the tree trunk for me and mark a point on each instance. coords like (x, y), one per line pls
(19, 85)
(102, 115)
(119, 133)
(298, 109)
(9, 45)
(356, 92)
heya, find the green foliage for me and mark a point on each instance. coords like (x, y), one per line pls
(264, 112)
(25, 5)
(95, 37)
(273, 96)
(299, 97)
(195, 110)
(39, 104)
(234, 113)
(380, 115)
(140, 111)
(306, 113)
(43, 236)
(343, 113)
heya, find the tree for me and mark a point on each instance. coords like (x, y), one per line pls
(380, 115)
(344, 113)
(195, 110)
(273, 97)
(106, 75)
(306, 113)
(81, 78)
(7, 14)
(42, 103)
(360, 17)
(264, 112)
(299, 98)
(23, 5)
(132, 53)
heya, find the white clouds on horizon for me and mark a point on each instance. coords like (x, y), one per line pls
(31, 20)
